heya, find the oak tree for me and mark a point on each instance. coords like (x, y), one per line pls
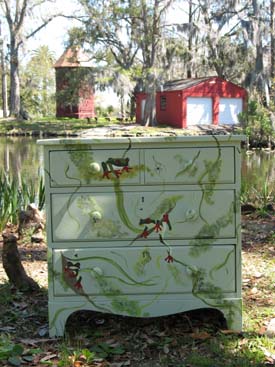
(19, 14)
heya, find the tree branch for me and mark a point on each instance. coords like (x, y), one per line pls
(21, 14)
(46, 22)
(8, 13)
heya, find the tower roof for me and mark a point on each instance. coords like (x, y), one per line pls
(73, 57)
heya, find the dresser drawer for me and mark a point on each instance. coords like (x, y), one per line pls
(134, 216)
(143, 271)
(93, 167)
(190, 165)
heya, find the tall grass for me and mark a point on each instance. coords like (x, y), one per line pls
(260, 196)
(15, 197)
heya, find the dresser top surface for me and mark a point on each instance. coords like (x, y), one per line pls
(144, 140)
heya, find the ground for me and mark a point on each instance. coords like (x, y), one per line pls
(191, 339)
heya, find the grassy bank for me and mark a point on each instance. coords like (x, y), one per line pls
(72, 127)
(47, 126)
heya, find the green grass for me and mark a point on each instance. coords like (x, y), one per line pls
(52, 125)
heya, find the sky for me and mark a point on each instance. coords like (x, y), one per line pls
(54, 35)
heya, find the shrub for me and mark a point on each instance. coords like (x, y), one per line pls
(256, 123)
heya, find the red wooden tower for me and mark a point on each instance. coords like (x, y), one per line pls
(74, 85)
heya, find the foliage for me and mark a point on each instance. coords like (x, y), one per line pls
(14, 197)
(14, 353)
(76, 357)
(261, 198)
(38, 83)
(256, 122)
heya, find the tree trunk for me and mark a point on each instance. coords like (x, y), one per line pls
(14, 81)
(150, 110)
(272, 47)
(13, 266)
(4, 83)
(190, 41)
(149, 118)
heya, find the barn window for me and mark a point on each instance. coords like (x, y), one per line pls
(163, 103)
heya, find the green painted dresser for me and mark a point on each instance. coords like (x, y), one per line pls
(143, 226)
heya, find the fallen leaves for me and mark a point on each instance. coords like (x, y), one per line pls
(200, 335)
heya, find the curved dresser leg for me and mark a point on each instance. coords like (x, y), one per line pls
(233, 315)
(58, 315)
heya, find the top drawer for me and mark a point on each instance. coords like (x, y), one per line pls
(190, 165)
(150, 166)
(93, 167)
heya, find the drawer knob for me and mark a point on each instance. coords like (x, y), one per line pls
(96, 216)
(191, 214)
(95, 167)
(97, 270)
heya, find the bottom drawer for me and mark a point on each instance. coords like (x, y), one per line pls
(147, 270)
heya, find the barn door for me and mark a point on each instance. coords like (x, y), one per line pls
(229, 110)
(199, 111)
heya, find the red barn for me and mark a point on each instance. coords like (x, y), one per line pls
(74, 85)
(185, 102)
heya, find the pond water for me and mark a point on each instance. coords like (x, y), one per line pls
(23, 158)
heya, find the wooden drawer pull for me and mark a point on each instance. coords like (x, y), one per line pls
(96, 216)
(95, 167)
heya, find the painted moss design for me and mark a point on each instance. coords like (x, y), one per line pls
(208, 233)
(82, 159)
(71, 276)
(99, 226)
(212, 172)
(113, 168)
(143, 260)
(189, 167)
(203, 289)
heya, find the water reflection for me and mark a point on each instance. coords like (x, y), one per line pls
(23, 158)
(258, 168)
